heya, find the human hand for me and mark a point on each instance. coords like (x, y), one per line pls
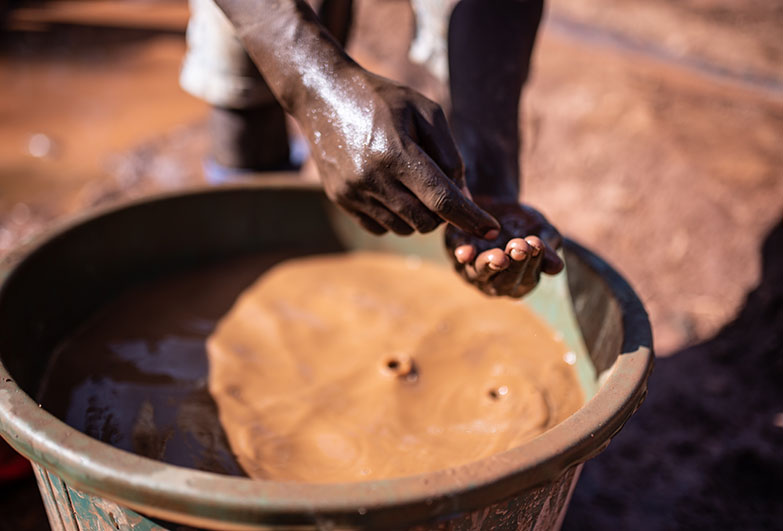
(386, 156)
(512, 263)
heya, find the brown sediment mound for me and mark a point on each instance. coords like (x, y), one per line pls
(364, 366)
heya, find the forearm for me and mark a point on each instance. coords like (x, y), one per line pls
(300, 61)
(490, 44)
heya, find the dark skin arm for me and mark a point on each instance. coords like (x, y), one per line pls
(490, 45)
(384, 151)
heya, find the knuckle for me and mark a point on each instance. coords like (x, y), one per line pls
(422, 219)
(442, 202)
(364, 181)
(341, 192)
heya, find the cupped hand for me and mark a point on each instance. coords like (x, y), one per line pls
(512, 263)
(385, 155)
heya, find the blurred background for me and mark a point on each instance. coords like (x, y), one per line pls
(653, 133)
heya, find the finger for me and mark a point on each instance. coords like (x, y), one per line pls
(385, 217)
(551, 236)
(354, 209)
(369, 224)
(518, 249)
(407, 206)
(460, 244)
(434, 137)
(536, 246)
(520, 254)
(453, 237)
(533, 271)
(488, 263)
(465, 253)
(551, 264)
(441, 196)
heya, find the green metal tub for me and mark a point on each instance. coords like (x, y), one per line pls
(50, 286)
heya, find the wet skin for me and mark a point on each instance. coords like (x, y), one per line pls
(385, 153)
(490, 46)
(509, 264)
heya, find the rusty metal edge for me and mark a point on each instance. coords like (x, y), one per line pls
(222, 502)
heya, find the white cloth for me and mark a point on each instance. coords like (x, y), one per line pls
(218, 70)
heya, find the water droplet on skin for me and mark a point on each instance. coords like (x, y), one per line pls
(569, 358)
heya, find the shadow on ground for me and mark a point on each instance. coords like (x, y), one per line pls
(704, 451)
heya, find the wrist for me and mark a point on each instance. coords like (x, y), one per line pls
(298, 57)
(491, 170)
(490, 152)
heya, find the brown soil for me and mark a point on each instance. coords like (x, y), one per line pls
(703, 452)
(652, 135)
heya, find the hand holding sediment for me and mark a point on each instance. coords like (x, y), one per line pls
(384, 151)
(512, 263)
(386, 156)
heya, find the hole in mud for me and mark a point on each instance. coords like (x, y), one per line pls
(403, 367)
(496, 393)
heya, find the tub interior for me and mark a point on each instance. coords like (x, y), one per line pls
(63, 282)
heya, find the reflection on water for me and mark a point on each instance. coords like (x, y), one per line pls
(135, 375)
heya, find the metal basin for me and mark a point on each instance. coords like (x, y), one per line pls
(52, 285)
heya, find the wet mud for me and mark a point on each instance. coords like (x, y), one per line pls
(333, 368)
(372, 366)
(135, 375)
(682, 173)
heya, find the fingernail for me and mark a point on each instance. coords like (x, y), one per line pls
(518, 255)
(491, 234)
(535, 247)
(464, 253)
(497, 261)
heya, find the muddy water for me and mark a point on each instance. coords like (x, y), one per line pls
(436, 374)
(135, 375)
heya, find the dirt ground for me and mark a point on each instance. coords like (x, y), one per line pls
(653, 134)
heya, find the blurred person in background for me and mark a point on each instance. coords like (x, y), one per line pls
(384, 152)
